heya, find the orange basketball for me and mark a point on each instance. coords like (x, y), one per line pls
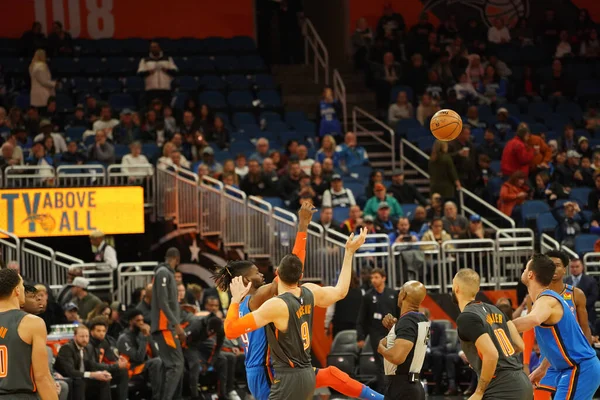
(446, 125)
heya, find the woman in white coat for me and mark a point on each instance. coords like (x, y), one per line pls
(42, 85)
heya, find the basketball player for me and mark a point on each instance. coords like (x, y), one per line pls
(490, 343)
(561, 340)
(24, 372)
(289, 319)
(404, 348)
(575, 299)
(258, 369)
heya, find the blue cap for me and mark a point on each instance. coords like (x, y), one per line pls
(475, 218)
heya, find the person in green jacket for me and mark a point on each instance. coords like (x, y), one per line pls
(443, 178)
(381, 195)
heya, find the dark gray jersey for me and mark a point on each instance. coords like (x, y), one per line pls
(15, 356)
(478, 319)
(292, 348)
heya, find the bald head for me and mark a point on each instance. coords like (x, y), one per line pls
(466, 284)
(413, 293)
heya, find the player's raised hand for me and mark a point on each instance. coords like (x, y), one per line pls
(306, 212)
(353, 244)
(238, 289)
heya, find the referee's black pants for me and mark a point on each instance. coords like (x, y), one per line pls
(399, 387)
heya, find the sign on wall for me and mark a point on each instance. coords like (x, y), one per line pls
(72, 211)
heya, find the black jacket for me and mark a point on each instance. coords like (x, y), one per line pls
(135, 347)
(589, 286)
(437, 339)
(68, 359)
(373, 308)
(407, 194)
(106, 352)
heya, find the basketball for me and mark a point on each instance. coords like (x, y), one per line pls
(446, 125)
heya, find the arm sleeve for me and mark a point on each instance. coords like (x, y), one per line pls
(40, 76)
(236, 326)
(351, 198)
(470, 327)
(300, 247)
(162, 292)
(110, 257)
(142, 69)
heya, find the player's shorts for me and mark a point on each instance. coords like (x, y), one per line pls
(579, 383)
(258, 382)
(550, 380)
(293, 384)
(509, 385)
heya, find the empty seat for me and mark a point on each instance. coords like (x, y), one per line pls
(64, 103)
(409, 210)
(584, 243)
(414, 134)
(65, 66)
(572, 110)
(425, 143)
(286, 136)
(538, 109)
(213, 99)
(344, 352)
(93, 66)
(120, 101)
(252, 63)
(293, 117)
(237, 82)
(198, 65)
(109, 85)
(340, 213)
(75, 133)
(226, 63)
(134, 84)
(277, 126)
(546, 223)
(580, 195)
(122, 66)
(264, 81)
(404, 125)
(242, 44)
(186, 83)
(83, 85)
(532, 208)
(241, 118)
(240, 99)
(274, 201)
(212, 82)
(269, 99)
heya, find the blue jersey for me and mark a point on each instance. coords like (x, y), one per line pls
(563, 344)
(568, 295)
(255, 343)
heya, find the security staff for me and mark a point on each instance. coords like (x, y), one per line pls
(376, 303)
(405, 346)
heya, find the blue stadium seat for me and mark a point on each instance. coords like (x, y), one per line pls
(537, 128)
(425, 143)
(212, 82)
(409, 210)
(284, 137)
(89, 140)
(277, 126)
(93, 66)
(13, 65)
(238, 82)
(572, 110)
(65, 66)
(251, 130)
(83, 85)
(269, 99)
(274, 201)
(75, 133)
(119, 101)
(340, 214)
(357, 188)
(226, 64)
(537, 109)
(404, 125)
(546, 223)
(494, 185)
(252, 63)
(485, 111)
(151, 151)
(241, 146)
(121, 150)
(532, 208)
(584, 243)
(22, 101)
(199, 65)
(122, 66)
(292, 117)
(242, 44)
(64, 103)
(556, 121)
(414, 134)
(179, 100)
(243, 118)
(186, 83)
(215, 45)
(580, 195)
(264, 81)
(213, 99)
(513, 109)
(305, 127)
(397, 89)
(109, 85)
(270, 116)
(134, 84)
(240, 99)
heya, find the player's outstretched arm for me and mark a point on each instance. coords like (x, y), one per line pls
(39, 358)
(515, 338)
(540, 312)
(489, 360)
(582, 314)
(326, 296)
(270, 311)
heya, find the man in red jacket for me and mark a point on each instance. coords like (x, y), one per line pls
(517, 154)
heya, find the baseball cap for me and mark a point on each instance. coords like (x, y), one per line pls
(573, 154)
(335, 177)
(582, 139)
(382, 205)
(208, 150)
(81, 282)
(502, 110)
(368, 218)
(70, 307)
(397, 172)
(126, 111)
(44, 123)
(378, 187)
(79, 107)
(475, 218)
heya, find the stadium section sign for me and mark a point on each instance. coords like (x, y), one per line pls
(72, 211)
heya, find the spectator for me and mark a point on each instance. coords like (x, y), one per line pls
(33, 39)
(317, 182)
(327, 150)
(305, 162)
(454, 223)
(478, 182)
(290, 183)
(563, 48)
(101, 151)
(71, 313)
(420, 32)
(291, 151)
(15, 118)
(51, 113)
(583, 147)
(594, 195)
(491, 86)
(255, 183)
(384, 223)
(85, 301)
(403, 232)
(328, 168)
(145, 304)
(427, 107)
(498, 34)
(60, 42)
(151, 127)
(443, 178)
(473, 118)
(326, 220)
(490, 146)
(218, 134)
(49, 146)
(42, 85)
(416, 74)
(475, 230)
(404, 192)
(390, 20)
(500, 66)
(372, 204)
(76, 360)
(547, 190)
(523, 33)
(401, 109)
(354, 221)
(208, 159)
(304, 193)
(568, 140)
(189, 126)
(362, 39)
(262, 150)
(463, 154)
(435, 234)
(419, 222)
(338, 195)
(205, 118)
(465, 89)
(270, 172)
(567, 174)
(104, 253)
(78, 120)
(135, 163)
(341, 316)
(568, 228)
(558, 85)
(443, 69)
(590, 47)
(513, 193)
(106, 121)
(328, 113)
(46, 131)
(169, 120)
(125, 132)
(542, 153)
(435, 87)
(240, 165)
(17, 153)
(32, 121)
(584, 176)
(587, 284)
(375, 178)
(38, 157)
(386, 76)
(352, 155)
(455, 359)
(158, 71)
(7, 156)
(167, 159)
(474, 69)
(517, 154)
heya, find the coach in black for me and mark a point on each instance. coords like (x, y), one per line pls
(376, 303)
(405, 346)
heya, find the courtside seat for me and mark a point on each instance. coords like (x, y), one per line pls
(344, 352)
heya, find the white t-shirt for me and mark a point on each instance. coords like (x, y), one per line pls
(128, 159)
(59, 141)
(306, 165)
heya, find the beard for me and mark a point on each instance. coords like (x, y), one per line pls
(454, 298)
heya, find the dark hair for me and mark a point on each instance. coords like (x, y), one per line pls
(515, 177)
(98, 321)
(379, 271)
(507, 310)
(9, 280)
(133, 313)
(172, 252)
(210, 298)
(435, 219)
(214, 323)
(136, 296)
(30, 289)
(543, 267)
(224, 275)
(290, 269)
(564, 258)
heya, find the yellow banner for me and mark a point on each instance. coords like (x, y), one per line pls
(72, 211)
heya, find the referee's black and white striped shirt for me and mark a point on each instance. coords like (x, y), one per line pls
(414, 327)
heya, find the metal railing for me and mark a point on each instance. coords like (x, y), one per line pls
(357, 127)
(166, 194)
(28, 176)
(235, 220)
(81, 175)
(10, 247)
(339, 93)
(405, 161)
(313, 42)
(37, 262)
(131, 276)
(186, 203)
(100, 278)
(548, 243)
(514, 247)
(284, 226)
(477, 254)
(258, 222)
(211, 207)
(408, 265)
(133, 175)
(591, 261)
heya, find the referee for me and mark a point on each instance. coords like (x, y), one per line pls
(166, 331)
(404, 348)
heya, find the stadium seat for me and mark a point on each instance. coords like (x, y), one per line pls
(357, 188)
(93, 66)
(264, 81)
(186, 83)
(212, 82)
(242, 44)
(65, 66)
(133, 84)
(340, 214)
(215, 100)
(425, 143)
(13, 65)
(409, 210)
(444, 322)
(270, 116)
(121, 66)
(307, 127)
(120, 101)
(546, 223)
(269, 98)
(537, 128)
(238, 82)
(277, 126)
(240, 100)
(75, 133)
(251, 64)
(451, 340)
(344, 352)
(367, 365)
(532, 208)
(226, 64)
(121, 150)
(22, 101)
(83, 85)
(293, 117)
(151, 151)
(274, 201)
(198, 65)
(109, 85)
(584, 243)
(286, 136)
(580, 195)
(404, 125)
(64, 103)
(241, 118)
(538, 109)
(572, 110)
